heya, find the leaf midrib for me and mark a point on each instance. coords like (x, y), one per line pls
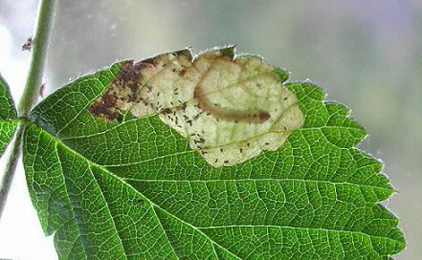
(264, 180)
(58, 142)
(102, 196)
(275, 179)
(67, 193)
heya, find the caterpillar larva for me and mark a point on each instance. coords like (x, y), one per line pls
(250, 115)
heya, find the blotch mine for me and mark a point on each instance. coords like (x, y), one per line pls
(230, 108)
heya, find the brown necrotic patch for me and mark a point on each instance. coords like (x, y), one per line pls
(105, 107)
(131, 91)
(121, 92)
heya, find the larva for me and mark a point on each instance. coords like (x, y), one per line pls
(227, 114)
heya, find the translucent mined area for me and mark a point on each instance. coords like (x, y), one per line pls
(230, 108)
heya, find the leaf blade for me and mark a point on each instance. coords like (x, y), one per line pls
(317, 185)
(8, 115)
(64, 197)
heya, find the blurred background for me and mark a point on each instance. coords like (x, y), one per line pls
(365, 54)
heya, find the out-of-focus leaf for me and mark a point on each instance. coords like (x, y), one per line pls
(113, 179)
(8, 123)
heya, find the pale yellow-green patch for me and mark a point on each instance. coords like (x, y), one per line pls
(229, 108)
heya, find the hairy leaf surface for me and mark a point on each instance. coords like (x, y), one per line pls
(112, 178)
(7, 116)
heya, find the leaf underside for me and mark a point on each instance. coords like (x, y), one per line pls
(134, 189)
(8, 123)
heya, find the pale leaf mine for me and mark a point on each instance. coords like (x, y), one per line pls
(230, 108)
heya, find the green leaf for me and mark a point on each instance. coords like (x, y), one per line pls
(114, 178)
(8, 123)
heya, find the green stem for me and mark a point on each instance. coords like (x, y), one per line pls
(38, 59)
(32, 89)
